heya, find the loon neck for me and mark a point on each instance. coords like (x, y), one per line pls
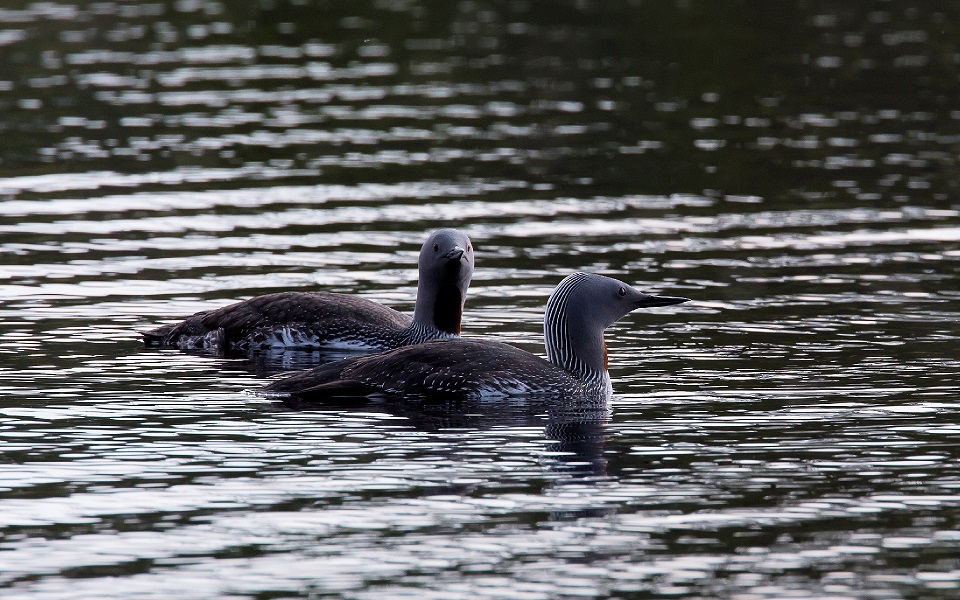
(570, 343)
(439, 307)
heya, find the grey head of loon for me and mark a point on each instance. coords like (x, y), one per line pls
(446, 266)
(578, 311)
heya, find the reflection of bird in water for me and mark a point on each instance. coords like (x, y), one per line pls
(575, 436)
(577, 313)
(577, 456)
(577, 445)
(329, 321)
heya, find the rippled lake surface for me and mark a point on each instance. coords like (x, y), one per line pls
(794, 168)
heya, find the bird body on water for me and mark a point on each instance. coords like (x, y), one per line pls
(326, 320)
(579, 310)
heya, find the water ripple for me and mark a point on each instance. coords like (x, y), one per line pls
(788, 433)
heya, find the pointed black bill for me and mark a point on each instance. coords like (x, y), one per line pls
(646, 301)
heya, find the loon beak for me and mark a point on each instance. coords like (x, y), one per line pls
(455, 253)
(646, 301)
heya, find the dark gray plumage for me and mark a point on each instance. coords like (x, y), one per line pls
(579, 310)
(329, 320)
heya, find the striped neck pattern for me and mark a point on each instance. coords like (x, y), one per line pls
(569, 344)
(417, 333)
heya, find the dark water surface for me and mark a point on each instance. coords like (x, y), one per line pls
(794, 167)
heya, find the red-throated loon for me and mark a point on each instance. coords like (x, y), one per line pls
(326, 320)
(578, 311)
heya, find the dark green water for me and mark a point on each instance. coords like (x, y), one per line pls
(793, 167)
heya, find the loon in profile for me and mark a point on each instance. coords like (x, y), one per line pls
(577, 313)
(325, 320)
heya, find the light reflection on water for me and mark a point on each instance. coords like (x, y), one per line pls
(790, 433)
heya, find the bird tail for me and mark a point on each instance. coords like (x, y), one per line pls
(160, 337)
(320, 385)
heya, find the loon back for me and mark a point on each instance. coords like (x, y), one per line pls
(264, 320)
(455, 367)
(328, 320)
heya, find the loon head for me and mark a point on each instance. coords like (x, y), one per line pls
(580, 309)
(446, 266)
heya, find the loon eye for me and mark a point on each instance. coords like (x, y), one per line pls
(621, 292)
(436, 247)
